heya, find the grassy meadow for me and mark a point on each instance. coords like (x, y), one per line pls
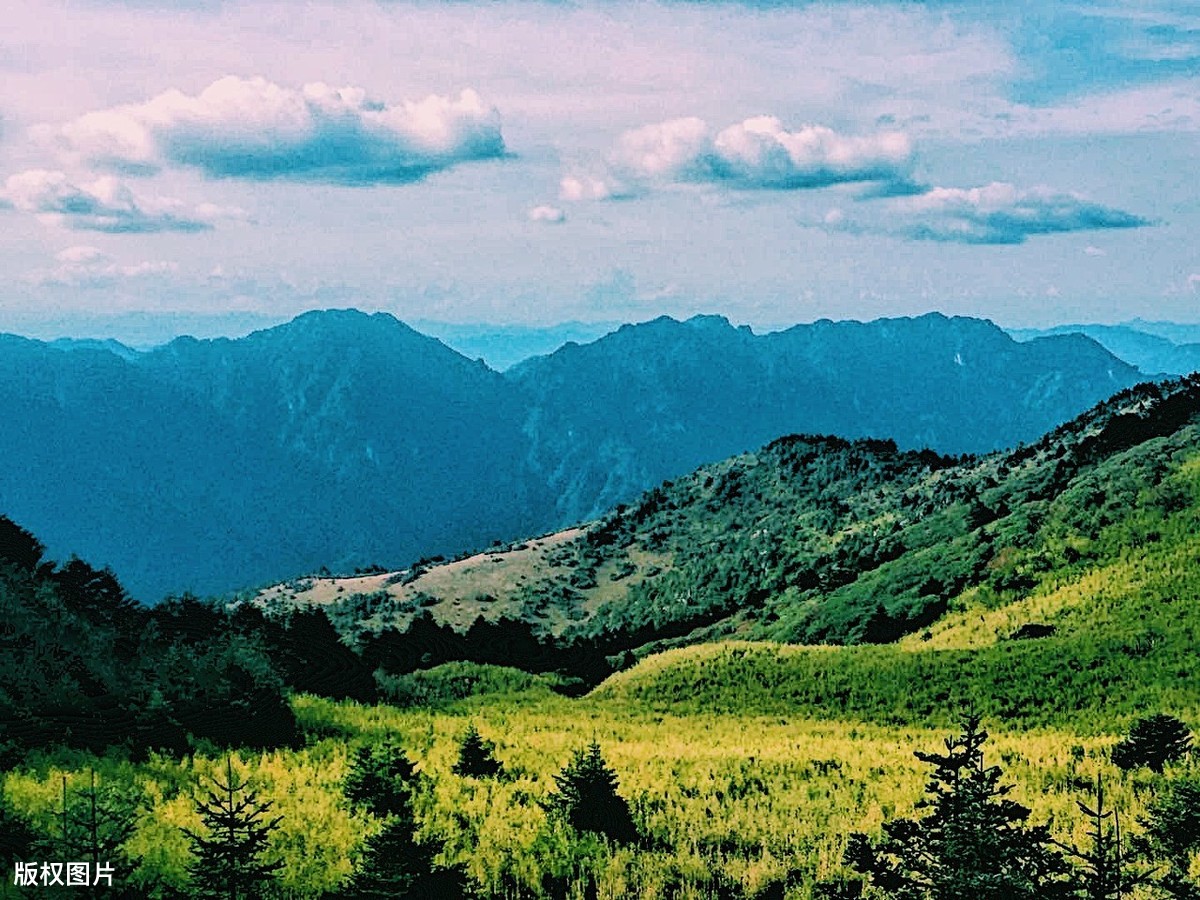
(728, 768)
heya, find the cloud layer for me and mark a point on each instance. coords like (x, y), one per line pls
(253, 128)
(757, 153)
(105, 205)
(84, 266)
(550, 215)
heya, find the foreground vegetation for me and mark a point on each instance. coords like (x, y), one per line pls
(1059, 601)
(748, 805)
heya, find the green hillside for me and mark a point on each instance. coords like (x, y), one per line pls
(822, 540)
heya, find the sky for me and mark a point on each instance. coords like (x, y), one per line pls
(540, 162)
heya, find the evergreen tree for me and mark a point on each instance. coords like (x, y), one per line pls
(1153, 742)
(394, 865)
(228, 864)
(587, 797)
(1106, 873)
(1172, 835)
(100, 822)
(973, 845)
(92, 826)
(18, 547)
(475, 756)
(382, 780)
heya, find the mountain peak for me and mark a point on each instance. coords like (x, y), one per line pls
(340, 320)
(710, 321)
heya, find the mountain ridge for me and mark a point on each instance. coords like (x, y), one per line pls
(1147, 345)
(342, 438)
(816, 539)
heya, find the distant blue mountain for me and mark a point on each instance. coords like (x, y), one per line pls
(341, 439)
(112, 346)
(503, 346)
(137, 330)
(1146, 345)
(1175, 332)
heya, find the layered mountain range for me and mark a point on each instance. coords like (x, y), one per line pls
(343, 439)
(1156, 348)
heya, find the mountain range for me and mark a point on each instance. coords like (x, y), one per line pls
(1157, 348)
(343, 439)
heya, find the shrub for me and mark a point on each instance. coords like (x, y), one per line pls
(475, 756)
(1153, 742)
(587, 797)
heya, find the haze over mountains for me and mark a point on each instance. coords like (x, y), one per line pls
(342, 439)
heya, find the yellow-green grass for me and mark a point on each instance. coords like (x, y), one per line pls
(757, 796)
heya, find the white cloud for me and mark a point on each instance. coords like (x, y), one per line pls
(997, 213)
(760, 152)
(253, 128)
(105, 205)
(757, 153)
(552, 215)
(86, 266)
(582, 186)
(1000, 213)
(670, 150)
(80, 255)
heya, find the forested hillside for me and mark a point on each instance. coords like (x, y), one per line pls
(653, 401)
(815, 539)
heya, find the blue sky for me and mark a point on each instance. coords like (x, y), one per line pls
(526, 162)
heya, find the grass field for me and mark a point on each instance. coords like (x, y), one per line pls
(768, 799)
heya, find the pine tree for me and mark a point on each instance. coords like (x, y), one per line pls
(1172, 835)
(1106, 873)
(973, 845)
(382, 780)
(1153, 742)
(92, 824)
(394, 865)
(587, 797)
(228, 863)
(475, 756)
